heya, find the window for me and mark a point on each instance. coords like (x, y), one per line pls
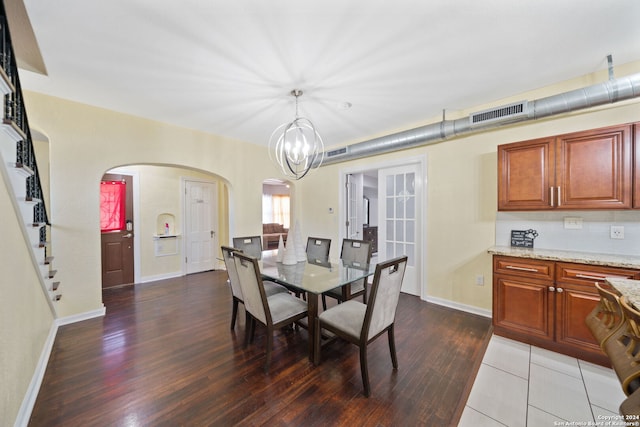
(276, 208)
(112, 205)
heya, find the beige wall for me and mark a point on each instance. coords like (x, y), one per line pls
(25, 318)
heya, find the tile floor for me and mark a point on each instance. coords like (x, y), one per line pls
(522, 385)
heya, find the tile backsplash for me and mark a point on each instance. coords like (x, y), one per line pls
(594, 236)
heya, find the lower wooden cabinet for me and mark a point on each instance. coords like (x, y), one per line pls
(545, 303)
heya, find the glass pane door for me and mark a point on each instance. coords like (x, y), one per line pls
(399, 219)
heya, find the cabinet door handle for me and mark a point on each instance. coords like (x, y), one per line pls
(584, 276)
(552, 289)
(559, 290)
(551, 196)
(513, 267)
(559, 201)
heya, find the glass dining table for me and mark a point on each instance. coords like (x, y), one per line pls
(314, 277)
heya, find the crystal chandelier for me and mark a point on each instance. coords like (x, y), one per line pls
(297, 146)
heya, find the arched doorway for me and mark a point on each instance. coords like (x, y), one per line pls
(160, 200)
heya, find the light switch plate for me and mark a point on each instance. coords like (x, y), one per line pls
(573, 222)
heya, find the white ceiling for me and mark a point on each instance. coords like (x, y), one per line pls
(227, 67)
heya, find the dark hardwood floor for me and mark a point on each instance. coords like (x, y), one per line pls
(164, 356)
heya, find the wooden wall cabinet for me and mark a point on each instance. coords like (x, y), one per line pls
(545, 303)
(522, 303)
(583, 170)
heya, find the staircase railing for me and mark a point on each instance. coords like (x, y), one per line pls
(15, 117)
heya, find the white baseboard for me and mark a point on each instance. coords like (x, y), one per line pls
(161, 277)
(22, 420)
(24, 414)
(462, 307)
(82, 316)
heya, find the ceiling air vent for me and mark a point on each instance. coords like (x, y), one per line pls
(505, 113)
(337, 152)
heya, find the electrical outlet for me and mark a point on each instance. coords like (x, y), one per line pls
(480, 280)
(617, 232)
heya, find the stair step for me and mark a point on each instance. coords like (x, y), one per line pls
(13, 130)
(51, 274)
(57, 297)
(54, 286)
(48, 260)
(6, 86)
(24, 170)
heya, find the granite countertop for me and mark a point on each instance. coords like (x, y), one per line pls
(627, 287)
(610, 260)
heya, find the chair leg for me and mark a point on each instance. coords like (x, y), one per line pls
(267, 363)
(253, 329)
(324, 302)
(392, 347)
(247, 329)
(364, 369)
(234, 312)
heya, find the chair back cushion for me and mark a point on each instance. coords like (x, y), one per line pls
(255, 300)
(227, 254)
(384, 296)
(250, 245)
(318, 248)
(358, 252)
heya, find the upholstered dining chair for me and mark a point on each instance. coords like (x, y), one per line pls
(353, 252)
(250, 245)
(361, 323)
(318, 248)
(270, 288)
(606, 317)
(273, 311)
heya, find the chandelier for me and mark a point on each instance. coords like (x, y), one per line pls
(297, 146)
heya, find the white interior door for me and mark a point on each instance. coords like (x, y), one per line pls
(354, 193)
(399, 224)
(201, 236)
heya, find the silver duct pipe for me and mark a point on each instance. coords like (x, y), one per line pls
(603, 93)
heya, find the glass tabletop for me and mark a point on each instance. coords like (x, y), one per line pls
(314, 276)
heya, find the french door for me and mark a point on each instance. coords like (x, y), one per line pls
(201, 225)
(400, 222)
